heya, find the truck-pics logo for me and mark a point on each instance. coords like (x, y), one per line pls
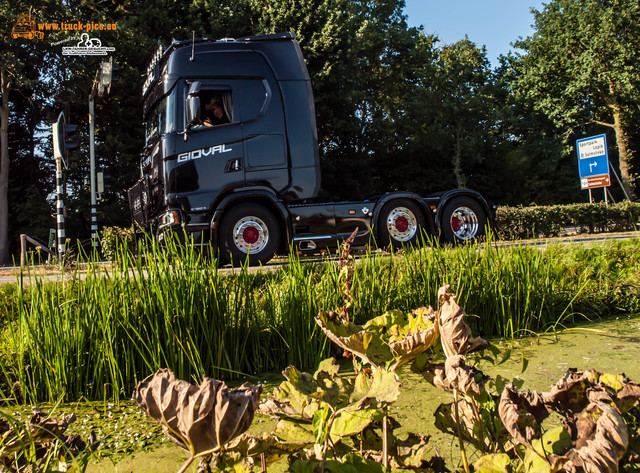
(200, 153)
(25, 27)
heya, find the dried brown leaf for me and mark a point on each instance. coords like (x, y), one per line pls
(46, 428)
(627, 392)
(588, 401)
(576, 389)
(201, 418)
(570, 393)
(521, 413)
(269, 444)
(603, 439)
(455, 374)
(41, 437)
(455, 334)
(276, 409)
(448, 421)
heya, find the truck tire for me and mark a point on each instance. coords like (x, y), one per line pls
(462, 220)
(401, 222)
(248, 231)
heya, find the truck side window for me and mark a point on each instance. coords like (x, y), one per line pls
(216, 107)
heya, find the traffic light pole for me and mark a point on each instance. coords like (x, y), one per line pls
(92, 172)
(60, 210)
(101, 83)
(61, 149)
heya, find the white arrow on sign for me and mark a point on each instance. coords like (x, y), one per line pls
(593, 165)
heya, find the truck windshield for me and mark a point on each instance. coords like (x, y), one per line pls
(161, 118)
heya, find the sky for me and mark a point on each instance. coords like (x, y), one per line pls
(491, 23)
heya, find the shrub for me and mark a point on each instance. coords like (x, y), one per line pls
(115, 239)
(548, 221)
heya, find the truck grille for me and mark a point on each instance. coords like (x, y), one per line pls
(138, 201)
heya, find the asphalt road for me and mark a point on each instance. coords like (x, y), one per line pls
(9, 275)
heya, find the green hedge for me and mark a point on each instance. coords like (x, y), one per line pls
(548, 221)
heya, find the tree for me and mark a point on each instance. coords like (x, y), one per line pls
(581, 67)
(527, 160)
(466, 90)
(5, 87)
(23, 61)
(32, 168)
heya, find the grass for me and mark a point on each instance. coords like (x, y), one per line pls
(97, 337)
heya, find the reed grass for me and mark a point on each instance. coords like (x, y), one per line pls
(96, 335)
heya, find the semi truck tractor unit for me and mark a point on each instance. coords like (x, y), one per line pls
(231, 158)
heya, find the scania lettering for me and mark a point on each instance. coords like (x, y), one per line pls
(247, 183)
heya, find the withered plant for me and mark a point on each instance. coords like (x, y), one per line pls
(201, 419)
(42, 445)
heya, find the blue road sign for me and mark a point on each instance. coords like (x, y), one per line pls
(593, 157)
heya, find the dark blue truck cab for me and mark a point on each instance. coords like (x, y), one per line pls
(231, 157)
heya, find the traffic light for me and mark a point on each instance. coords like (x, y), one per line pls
(115, 73)
(106, 180)
(109, 73)
(103, 181)
(65, 138)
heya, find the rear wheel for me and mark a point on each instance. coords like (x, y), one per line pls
(463, 220)
(401, 222)
(248, 231)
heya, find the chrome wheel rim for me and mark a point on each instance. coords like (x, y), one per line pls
(250, 234)
(464, 223)
(402, 224)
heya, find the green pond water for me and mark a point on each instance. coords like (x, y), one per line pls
(133, 443)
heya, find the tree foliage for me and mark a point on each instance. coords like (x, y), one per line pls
(581, 68)
(24, 93)
(467, 104)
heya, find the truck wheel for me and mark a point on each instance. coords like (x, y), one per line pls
(462, 220)
(248, 231)
(401, 222)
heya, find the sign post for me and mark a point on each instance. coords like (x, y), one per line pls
(593, 163)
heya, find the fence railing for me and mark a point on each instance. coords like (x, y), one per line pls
(25, 241)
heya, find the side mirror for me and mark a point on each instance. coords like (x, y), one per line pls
(193, 111)
(193, 105)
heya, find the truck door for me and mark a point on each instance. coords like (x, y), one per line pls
(263, 133)
(211, 160)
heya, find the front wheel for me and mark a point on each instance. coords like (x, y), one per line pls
(462, 220)
(401, 222)
(248, 231)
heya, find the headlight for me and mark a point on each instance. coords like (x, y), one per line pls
(172, 217)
